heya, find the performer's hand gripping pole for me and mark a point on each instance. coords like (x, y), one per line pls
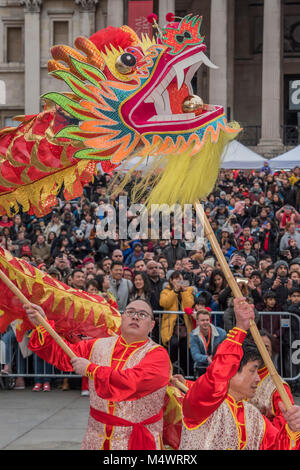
(42, 321)
(237, 294)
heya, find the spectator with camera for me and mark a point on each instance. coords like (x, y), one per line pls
(280, 283)
(176, 329)
(287, 214)
(175, 297)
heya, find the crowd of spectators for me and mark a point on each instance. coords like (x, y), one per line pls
(255, 216)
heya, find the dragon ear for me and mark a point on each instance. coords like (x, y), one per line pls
(66, 53)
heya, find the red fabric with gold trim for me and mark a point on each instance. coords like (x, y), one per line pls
(75, 312)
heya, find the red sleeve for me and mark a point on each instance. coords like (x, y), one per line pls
(209, 390)
(282, 439)
(278, 421)
(151, 374)
(42, 343)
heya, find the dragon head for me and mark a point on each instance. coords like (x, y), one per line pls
(135, 96)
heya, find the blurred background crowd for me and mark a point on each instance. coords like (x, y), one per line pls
(255, 216)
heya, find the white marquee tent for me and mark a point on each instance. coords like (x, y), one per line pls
(239, 157)
(287, 160)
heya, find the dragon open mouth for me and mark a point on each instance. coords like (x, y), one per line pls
(160, 100)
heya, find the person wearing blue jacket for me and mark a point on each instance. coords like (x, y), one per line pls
(204, 340)
(135, 255)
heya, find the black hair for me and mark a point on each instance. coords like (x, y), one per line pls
(174, 275)
(269, 294)
(100, 279)
(204, 299)
(77, 270)
(147, 285)
(293, 290)
(251, 353)
(137, 261)
(92, 282)
(268, 268)
(116, 263)
(211, 284)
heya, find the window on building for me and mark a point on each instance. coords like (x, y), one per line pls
(6, 117)
(14, 44)
(8, 122)
(60, 32)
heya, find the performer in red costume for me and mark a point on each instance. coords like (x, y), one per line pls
(128, 375)
(266, 397)
(215, 413)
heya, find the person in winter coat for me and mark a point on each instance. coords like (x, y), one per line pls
(175, 297)
(279, 283)
(229, 317)
(136, 255)
(41, 249)
(173, 252)
(205, 339)
(268, 236)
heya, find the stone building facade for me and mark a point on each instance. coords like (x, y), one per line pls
(255, 43)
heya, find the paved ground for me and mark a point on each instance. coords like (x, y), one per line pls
(44, 421)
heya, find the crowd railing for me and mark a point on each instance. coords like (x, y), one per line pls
(284, 328)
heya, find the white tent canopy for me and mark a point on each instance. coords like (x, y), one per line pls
(287, 160)
(238, 157)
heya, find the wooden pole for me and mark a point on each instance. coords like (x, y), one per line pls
(42, 321)
(238, 294)
(181, 386)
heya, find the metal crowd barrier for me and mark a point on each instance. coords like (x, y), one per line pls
(286, 353)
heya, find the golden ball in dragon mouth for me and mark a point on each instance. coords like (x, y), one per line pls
(192, 103)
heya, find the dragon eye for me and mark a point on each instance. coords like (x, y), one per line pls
(125, 63)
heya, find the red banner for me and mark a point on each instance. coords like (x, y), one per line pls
(137, 16)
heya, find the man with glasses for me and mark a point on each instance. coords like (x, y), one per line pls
(128, 375)
(117, 255)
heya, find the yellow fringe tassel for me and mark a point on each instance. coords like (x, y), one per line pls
(181, 178)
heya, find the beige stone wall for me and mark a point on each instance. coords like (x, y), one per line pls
(11, 74)
(244, 66)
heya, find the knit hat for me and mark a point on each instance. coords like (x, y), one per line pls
(295, 261)
(280, 263)
(25, 251)
(88, 259)
(210, 261)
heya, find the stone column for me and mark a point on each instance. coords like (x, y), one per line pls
(87, 10)
(115, 13)
(32, 55)
(271, 78)
(164, 7)
(230, 58)
(218, 53)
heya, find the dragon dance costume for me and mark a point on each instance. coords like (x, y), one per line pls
(267, 398)
(214, 420)
(129, 97)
